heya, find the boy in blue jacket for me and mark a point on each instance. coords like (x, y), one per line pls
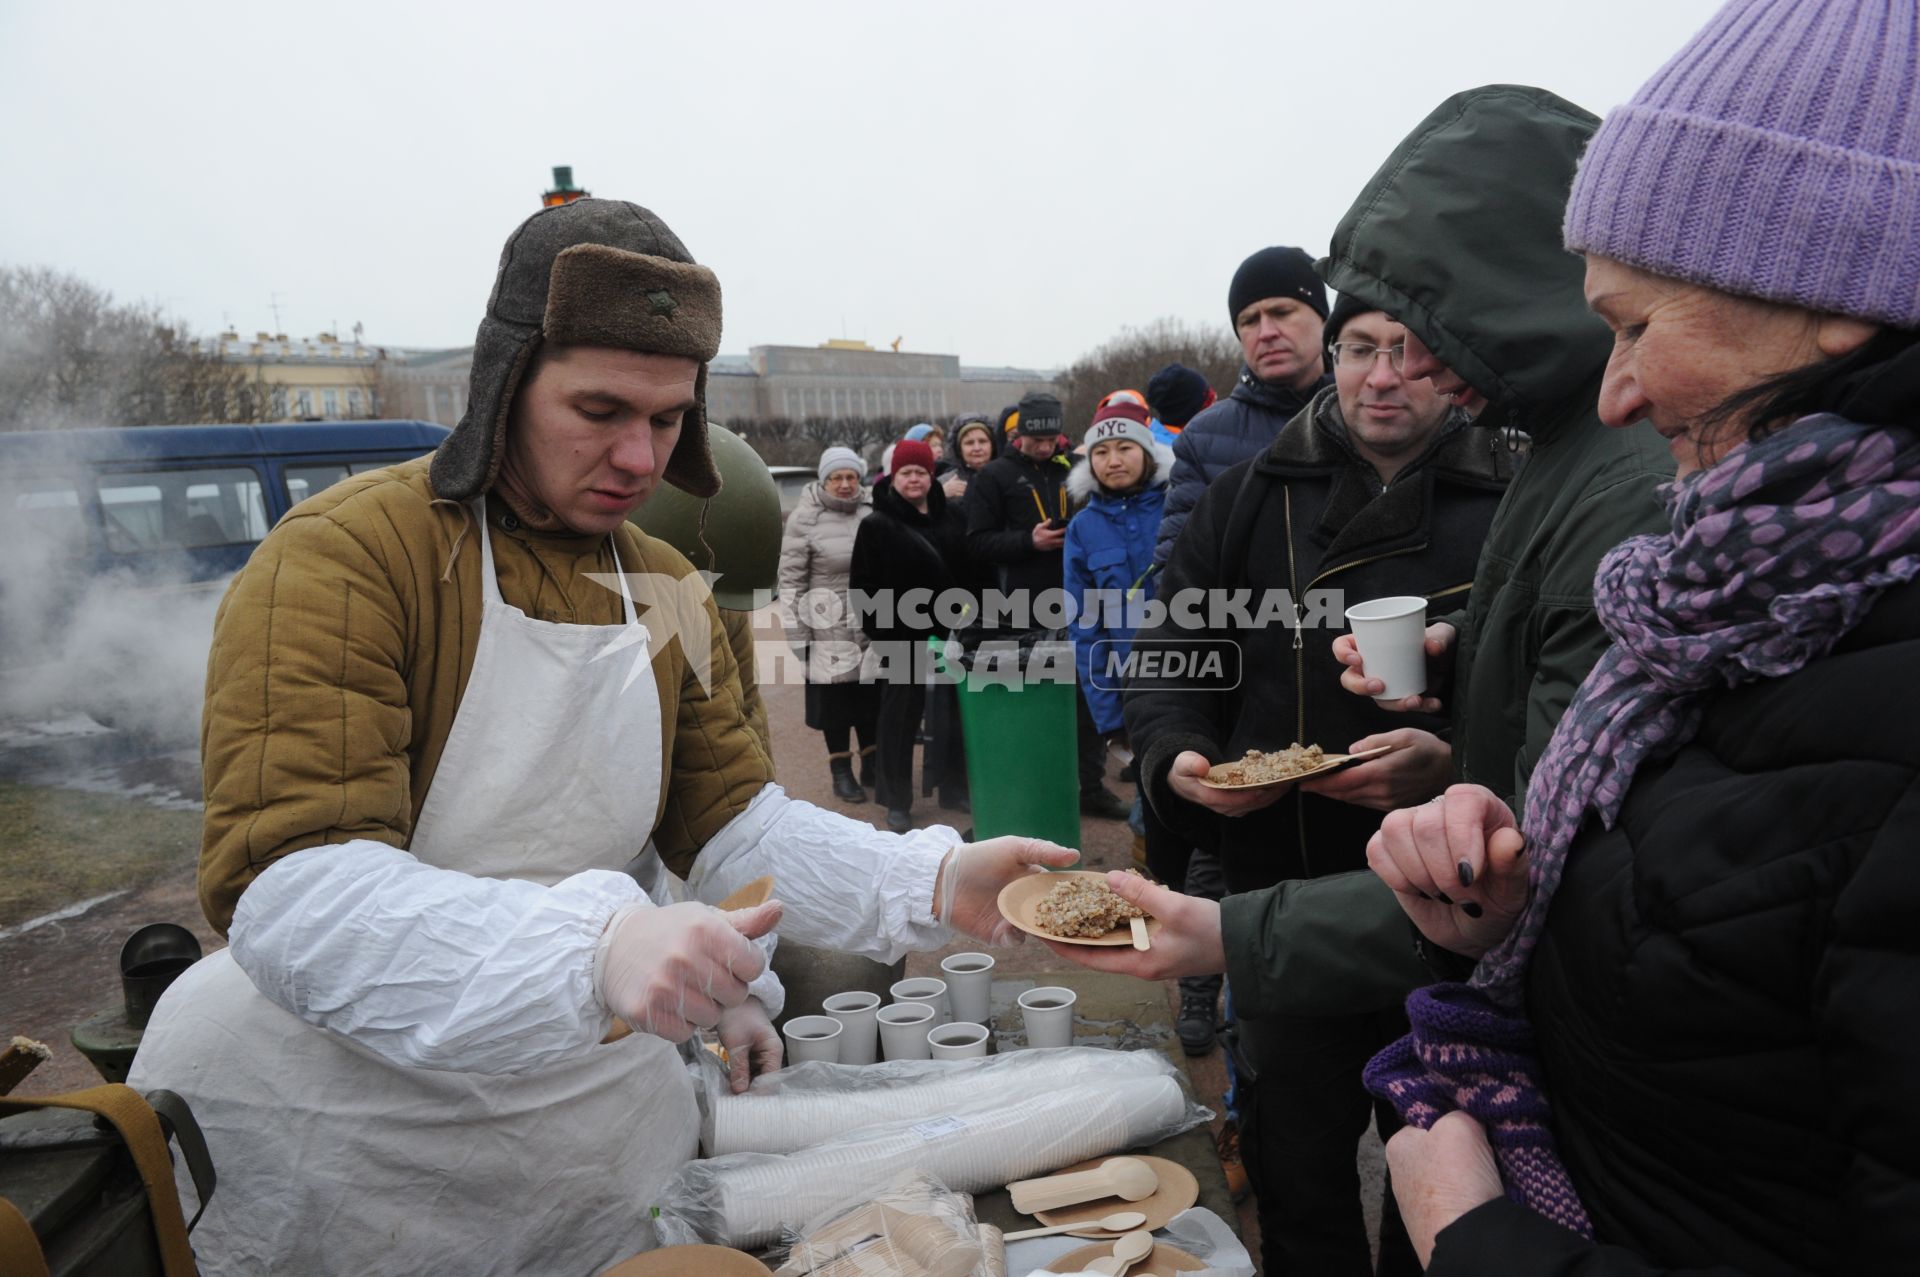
(1121, 485)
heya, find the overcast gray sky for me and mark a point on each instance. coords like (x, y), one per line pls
(1010, 182)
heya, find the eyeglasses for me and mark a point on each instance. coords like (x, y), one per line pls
(1361, 354)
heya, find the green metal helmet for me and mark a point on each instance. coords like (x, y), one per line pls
(741, 540)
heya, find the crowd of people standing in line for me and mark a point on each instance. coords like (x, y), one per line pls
(1652, 451)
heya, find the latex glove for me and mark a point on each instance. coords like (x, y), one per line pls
(1188, 942)
(1419, 767)
(966, 895)
(1190, 768)
(669, 971)
(752, 1046)
(1457, 867)
(1440, 650)
(1440, 1174)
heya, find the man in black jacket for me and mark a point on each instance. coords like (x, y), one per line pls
(1277, 306)
(1377, 488)
(1016, 527)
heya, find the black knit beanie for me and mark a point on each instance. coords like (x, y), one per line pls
(1175, 393)
(1345, 311)
(1275, 272)
(1040, 416)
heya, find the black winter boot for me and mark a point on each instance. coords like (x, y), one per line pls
(845, 787)
(867, 778)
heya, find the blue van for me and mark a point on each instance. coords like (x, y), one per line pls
(185, 503)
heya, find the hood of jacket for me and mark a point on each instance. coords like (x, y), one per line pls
(1083, 487)
(1457, 236)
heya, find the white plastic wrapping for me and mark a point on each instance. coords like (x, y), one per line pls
(744, 1199)
(916, 1219)
(810, 1104)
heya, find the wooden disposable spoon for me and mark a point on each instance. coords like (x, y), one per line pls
(1124, 1177)
(1127, 1252)
(1141, 940)
(1118, 1222)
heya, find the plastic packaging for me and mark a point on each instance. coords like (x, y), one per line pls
(809, 1104)
(1010, 1130)
(914, 1222)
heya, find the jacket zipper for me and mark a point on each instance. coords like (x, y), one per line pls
(1299, 679)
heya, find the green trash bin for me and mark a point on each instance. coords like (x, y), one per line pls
(1018, 718)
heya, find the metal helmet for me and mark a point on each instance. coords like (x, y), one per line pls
(741, 540)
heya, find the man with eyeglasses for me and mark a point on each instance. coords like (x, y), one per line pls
(1379, 486)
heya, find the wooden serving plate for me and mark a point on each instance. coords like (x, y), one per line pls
(1021, 897)
(1331, 763)
(1161, 1261)
(1178, 1190)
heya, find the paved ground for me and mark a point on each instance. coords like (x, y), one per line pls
(62, 971)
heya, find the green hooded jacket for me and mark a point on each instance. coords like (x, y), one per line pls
(1458, 237)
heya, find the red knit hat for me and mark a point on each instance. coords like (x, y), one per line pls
(911, 452)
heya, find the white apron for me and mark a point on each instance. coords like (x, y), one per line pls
(330, 1159)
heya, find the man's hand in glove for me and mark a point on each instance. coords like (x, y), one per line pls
(669, 971)
(752, 1046)
(967, 894)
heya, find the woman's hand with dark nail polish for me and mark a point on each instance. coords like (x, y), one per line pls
(1466, 874)
(1471, 909)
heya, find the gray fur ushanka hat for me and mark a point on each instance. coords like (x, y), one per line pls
(589, 273)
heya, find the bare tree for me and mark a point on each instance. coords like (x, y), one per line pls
(1128, 361)
(71, 356)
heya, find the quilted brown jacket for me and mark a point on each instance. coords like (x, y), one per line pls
(340, 655)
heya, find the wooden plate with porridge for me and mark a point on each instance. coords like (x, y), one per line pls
(1073, 906)
(1259, 770)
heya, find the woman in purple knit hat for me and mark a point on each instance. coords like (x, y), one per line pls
(1693, 1028)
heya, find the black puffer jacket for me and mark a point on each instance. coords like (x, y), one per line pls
(1006, 499)
(898, 549)
(1727, 996)
(1307, 516)
(1726, 989)
(1242, 425)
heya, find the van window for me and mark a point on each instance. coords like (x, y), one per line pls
(45, 508)
(182, 509)
(305, 480)
(309, 477)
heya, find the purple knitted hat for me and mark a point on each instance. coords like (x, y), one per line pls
(1777, 155)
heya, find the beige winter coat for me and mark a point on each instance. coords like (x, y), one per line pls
(815, 553)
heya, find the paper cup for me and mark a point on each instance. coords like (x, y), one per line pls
(903, 1030)
(1391, 634)
(928, 990)
(969, 979)
(958, 1041)
(813, 1037)
(1049, 1014)
(857, 1011)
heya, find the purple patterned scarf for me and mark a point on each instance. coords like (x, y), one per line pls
(1775, 554)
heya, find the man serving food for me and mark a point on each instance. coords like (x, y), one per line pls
(446, 703)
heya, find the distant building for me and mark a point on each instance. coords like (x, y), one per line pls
(319, 378)
(428, 385)
(853, 381)
(843, 380)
